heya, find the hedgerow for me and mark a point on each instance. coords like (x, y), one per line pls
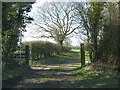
(40, 49)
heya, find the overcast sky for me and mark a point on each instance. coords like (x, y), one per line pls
(31, 34)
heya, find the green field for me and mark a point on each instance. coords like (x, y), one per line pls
(75, 50)
(66, 57)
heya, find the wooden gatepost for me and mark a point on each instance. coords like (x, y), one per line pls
(27, 55)
(82, 53)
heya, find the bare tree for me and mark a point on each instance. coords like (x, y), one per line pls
(57, 21)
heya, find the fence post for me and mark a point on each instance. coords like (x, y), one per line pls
(27, 55)
(82, 55)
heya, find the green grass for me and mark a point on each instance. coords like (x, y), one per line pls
(69, 55)
(87, 58)
(61, 58)
(75, 50)
(57, 68)
(94, 79)
(11, 73)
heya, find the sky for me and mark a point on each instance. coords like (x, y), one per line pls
(31, 33)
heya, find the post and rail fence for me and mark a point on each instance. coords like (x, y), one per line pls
(22, 53)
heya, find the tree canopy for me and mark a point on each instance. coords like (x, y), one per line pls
(56, 21)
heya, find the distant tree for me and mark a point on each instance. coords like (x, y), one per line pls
(57, 21)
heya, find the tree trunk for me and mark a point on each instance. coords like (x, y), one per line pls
(95, 46)
(90, 55)
(61, 42)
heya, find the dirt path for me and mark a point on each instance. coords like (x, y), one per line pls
(57, 72)
(50, 76)
(61, 76)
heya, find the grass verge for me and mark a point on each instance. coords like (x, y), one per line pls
(88, 77)
(12, 73)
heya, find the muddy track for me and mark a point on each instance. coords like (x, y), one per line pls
(49, 77)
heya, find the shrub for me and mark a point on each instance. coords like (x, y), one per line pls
(41, 49)
(66, 48)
